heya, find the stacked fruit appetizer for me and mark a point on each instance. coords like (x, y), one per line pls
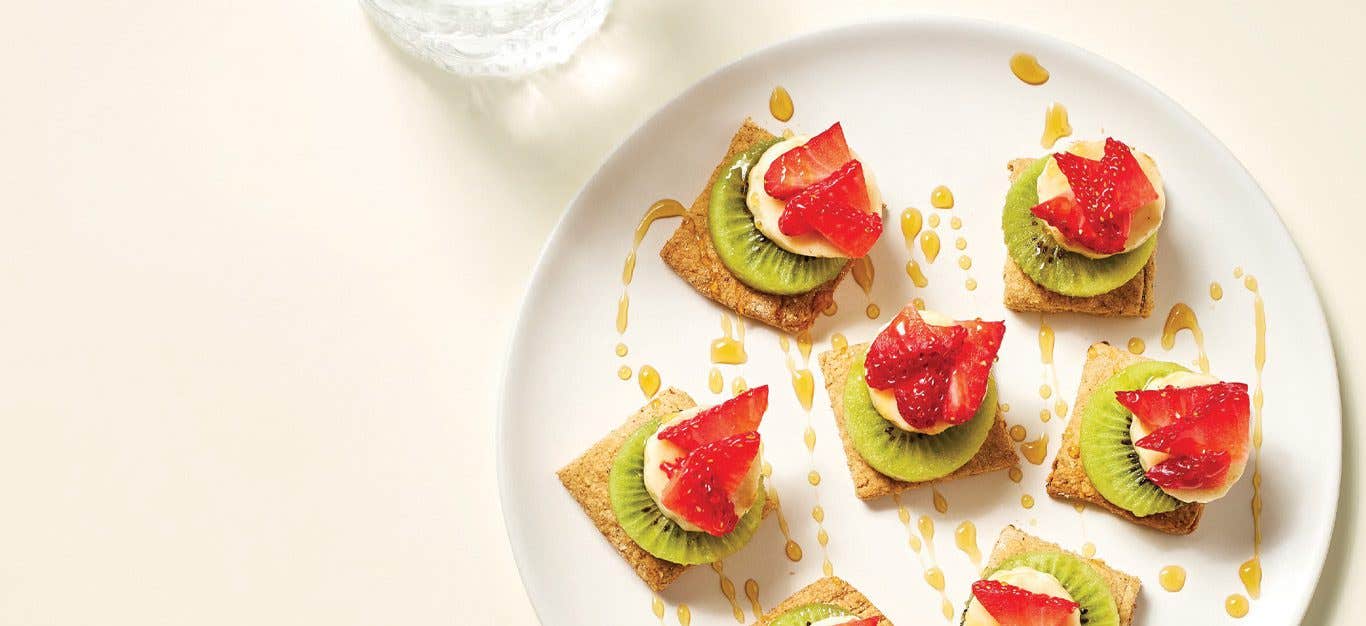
(1082, 222)
(1157, 436)
(687, 488)
(921, 401)
(788, 214)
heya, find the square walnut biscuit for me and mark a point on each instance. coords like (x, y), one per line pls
(997, 452)
(1123, 587)
(1068, 479)
(587, 480)
(829, 590)
(692, 256)
(1132, 299)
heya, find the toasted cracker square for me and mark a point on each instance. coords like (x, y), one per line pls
(1123, 587)
(1132, 299)
(997, 452)
(1068, 478)
(691, 255)
(828, 590)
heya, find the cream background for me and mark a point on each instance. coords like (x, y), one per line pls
(259, 269)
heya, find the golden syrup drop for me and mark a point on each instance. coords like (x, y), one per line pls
(1055, 125)
(827, 568)
(831, 310)
(864, 273)
(1005, 408)
(910, 225)
(970, 284)
(1045, 415)
(752, 592)
(941, 503)
(1017, 432)
(1027, 501)
(810, 438)
(804, 345)
(714, 381)
(623, 307)
(941, 197)
(1015, 474)
(1238, 272)
(621, 349)
(1250, 572)
(918, 303)
(818, 514)
(1046, 341)
(624, 373)
(1059, 408)
(738, 386)
(1136, 345)
(901, 512)
(1236, 605)
(684, 615)
(966, 538)
(790, 547)
(965, 262)
(729, 349)
(1035, 451)
(934, 221)
(926, 526)
(1045, 392)
(955, 222)
(1172, 578)
(1080, 507)
(934, 577)
(780, 104)
(657, 606)
(659, 210)
(946, 608)
(649, 381)
(813, 477)
(1216, 291)
(872, 311)
(728, 590)
(1180, 318)
(805, 387)
(838, 342)
(960, 243)
(916, 274)
(914, 542)
(1088, 549)
(1027, 68)
(793, 551)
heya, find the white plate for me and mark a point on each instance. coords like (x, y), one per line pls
(925, 102)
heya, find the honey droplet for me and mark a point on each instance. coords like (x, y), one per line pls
(1045, 392)
(916, 274)
(864, 273)
(1238, 272)
(1017, 432)
(738, 386)
(1250, 572)
(1172, 578)
(684, 615)
(1060, 408)
(965, 262)
(1180, 318)
(941, 503)
(1055, 125)
(729, 348)
(793, 551)
(649, 381)
(714, 381)
(1045, 415)
(818, 514)
(934, 577)
(934, 221)
(623, 312)
(1236, 605)
(872, 311)
(955, 222)
(910, 225)
(1035, 451)
(813, 477)
(838, 342)
(918, 303)
(941, 198)
(1005, 408)
(1027, 501)
(966, 538)
(1136, 345)
(624, 373)
(752, 592)
(831, 310)
(1027, 68)
(1216, 291)
(970, 284)
(1088, 549)
(621, 349)
(805, 387)
(960, 243)
(926, 527)
(1015, 474)
(780, 104)
(827, 568)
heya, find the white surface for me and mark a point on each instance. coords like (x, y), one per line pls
(978, 118)
(262, 268)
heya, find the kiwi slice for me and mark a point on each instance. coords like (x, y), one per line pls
(912, 457)
(1086, 586)
(1108, 454)
(1056, 268)
(753, 258)
(653, 531)
(808, 614)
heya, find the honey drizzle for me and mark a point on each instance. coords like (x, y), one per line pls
(684, 615)
(910, 225)
(649, 381)
(934, 576)
(1180, 318)
(728, 590)
(966, 538)
(1055, 125)
(752, 592)
(1047, 339)
(791, 548)
(780, 104)
(1172, 578)
(1027, 68)
(1236, 606)
(941, 503)
(659, 210)
(657, 607)
(729, 348)
(929, 245)
(1035, 451)
(1136, 345)
(1250, 572)
(803, 385)
(864, 273)
(1088, 549)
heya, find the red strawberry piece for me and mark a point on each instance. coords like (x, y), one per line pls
(907, 346)
(702, 485)
(740, 414)
(1200, 471)
(971, 368)
(807, 164)
(1013, 606)
(837, 208)
(1159, 407)
(1105, 194)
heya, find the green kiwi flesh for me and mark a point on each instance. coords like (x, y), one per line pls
(753, 258)
(1055, 268)
(653, 531)
(911, 457)
(1107, 452)
(1086, 586)
(808, 614)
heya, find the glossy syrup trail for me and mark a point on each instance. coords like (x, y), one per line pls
(1027, 68)
(728, 590)
(1047, 339)
(1180, 318)
(923, 547)
(863, 275)
(1250, 572)
(1055, 125)
(791, 548)
(803, 385)
(659, 210)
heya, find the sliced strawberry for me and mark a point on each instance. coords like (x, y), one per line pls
(701, 487)
(1105, 194)
(1159, 407)
(1013, 606)
(907, 346)
(971, 368)
(837, 208)
(740, 414)
(1200, 471)
(808, 163)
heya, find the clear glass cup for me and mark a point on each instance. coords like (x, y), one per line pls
(489, 37)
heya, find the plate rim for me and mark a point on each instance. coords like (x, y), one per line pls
(969, 26)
